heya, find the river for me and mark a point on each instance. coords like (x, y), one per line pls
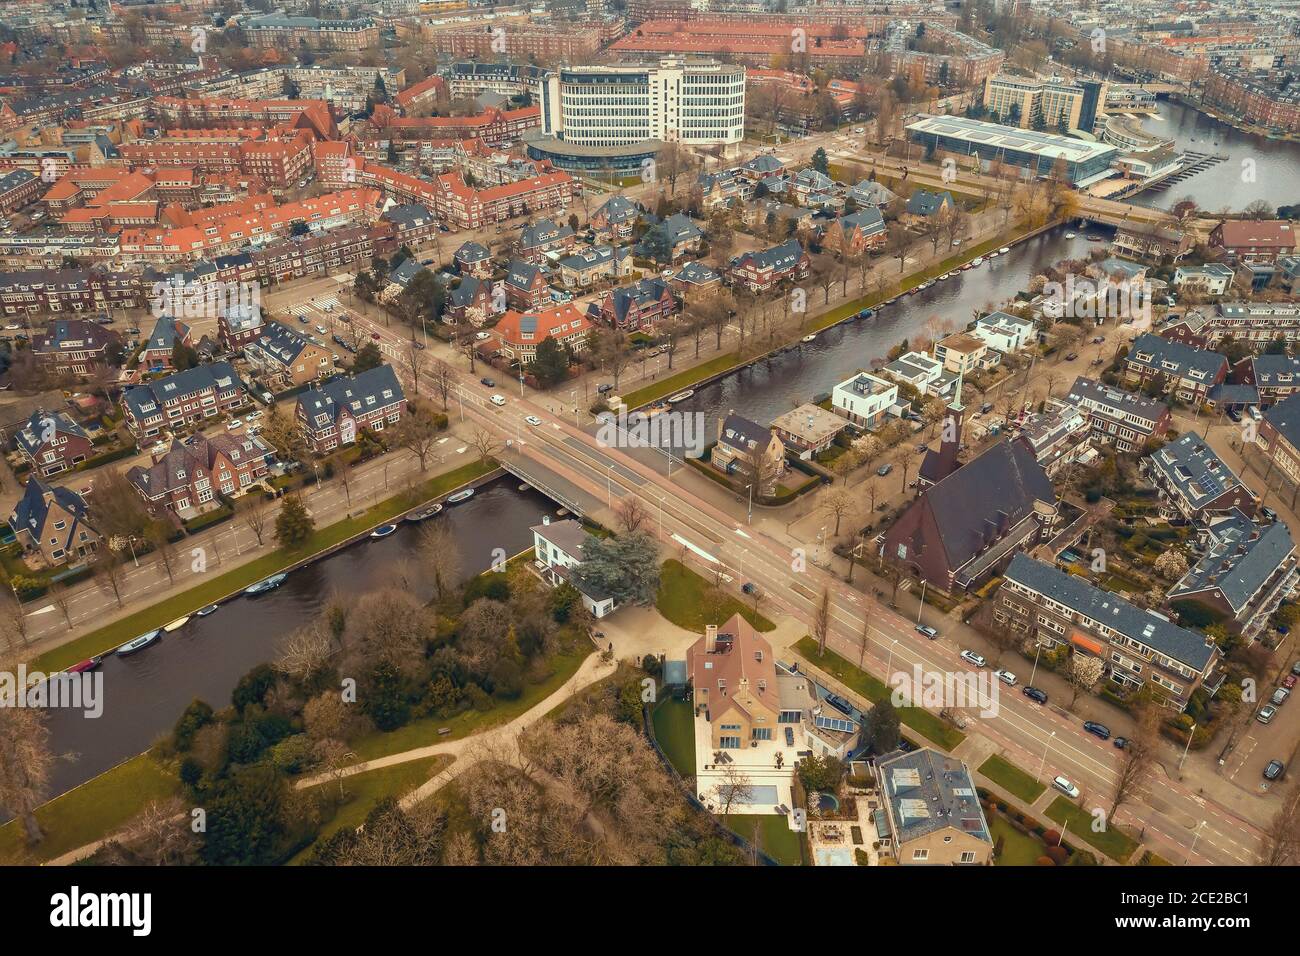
(145, 693)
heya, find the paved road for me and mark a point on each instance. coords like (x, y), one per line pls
(1171, 813)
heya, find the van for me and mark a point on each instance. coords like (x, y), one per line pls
(1254, 413)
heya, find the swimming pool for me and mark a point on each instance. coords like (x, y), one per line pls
(834, 856)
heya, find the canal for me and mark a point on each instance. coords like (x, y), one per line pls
(145, 694)
(1274, 175)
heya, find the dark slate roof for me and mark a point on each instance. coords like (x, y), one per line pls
(62, 331)
(472, 252)
(925, 203)
(1166, 637)
(1006, 478)
(1130, 403)
(929, 791)
(1233, 393)
(1241, 561)
(740, 432)
(1185, 358)
(379, 383)
(871, 193)
(1285, 417)
(619, 209)
(404, 272)
(29, 438)
(592, 257)
(778, 258)
(463, 295)
(409, 215)
(1192, 466)
(696, 272)
(542, 232)
(165, 333)
(764, 163)
(869, 220)
(29, 514)
(521, 274)
(1269, 370)
(145, 400)
(280, 341)
(14, 179)
(680, 228)
(641, 292)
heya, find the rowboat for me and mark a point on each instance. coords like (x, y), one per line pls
(681, 396)
(267, 584)
(140, 643)
(419, 514)
(177, 624)
(809, 338)
(460, 496)
(383, 531)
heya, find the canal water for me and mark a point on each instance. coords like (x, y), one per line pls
(1271, 171)
(145, 693)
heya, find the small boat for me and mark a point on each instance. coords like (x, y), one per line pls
(206, 610)
(1004, 250)
(383, 531)
(680, 396)
(977, 261)
(865, 314)
(177, 624)
(267, 584)
(87, 665)
(525, 487)
(967, 266)
(562, 512)
(809, 338)
(994, 254)
(1069, 235)
(654, 410)
(1096, 238)
(419, 514)
(460, 496)
(140, 643)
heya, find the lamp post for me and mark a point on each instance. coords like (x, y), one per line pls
(749, 518)
(889, 663)
(1046, 744)
(921, 606)
(1196, 836)
(1038, 651)
(1190, 734)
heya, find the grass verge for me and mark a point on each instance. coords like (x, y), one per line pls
(775, 838)
(1018, 849)
(1012, 779)
(691, 602)
(682, 380)
(675, 730)
(112, 635)
(364, 790)
(91, 811)
(919, 719)
(1116, 845)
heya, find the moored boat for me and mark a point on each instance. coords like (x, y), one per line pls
(458, 497)
(680, 396)
(266, 584)
(419, 514)
(139, 643)
(177, 624)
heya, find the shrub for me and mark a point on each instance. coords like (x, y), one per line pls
(1044, 861)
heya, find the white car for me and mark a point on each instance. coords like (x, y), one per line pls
(253, 416)
(498, 399)
(1006, 677)
(1066, 787)
(234, 425)
(321, 330)
(970, 657)
(533, 420)
(482, 335)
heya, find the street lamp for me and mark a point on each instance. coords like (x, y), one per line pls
(921, 606)
(1038, 651)
(889, 664)
(1196, 836)
(1046, 744)
(749, 519)
(1190, 734)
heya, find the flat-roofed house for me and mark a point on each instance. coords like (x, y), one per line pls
(933, 811)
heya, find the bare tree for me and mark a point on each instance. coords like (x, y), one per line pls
(255, 513)
(13, 616)
(305, 652)
(165, 551)
(821, 623)
(443, 380)
(110, 574)
(439, 553)
(159, 835)
(1280, 843)
(837, 503)
(1136, 759)
(733, 788)
(418, 432)
(631, 513)
(485, 443)
(24, 764)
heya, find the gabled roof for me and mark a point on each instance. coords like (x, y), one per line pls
(740, 654)
(464, 294)
(1186, 647)
(1240, 562)
(777, 258)
(521, 274)
(165, 333)
(543, 231)
(280, 342)
(741, 432)
(146, 400)
(33, 507)
(696, 273)
(618, 209)
(43, 423)
(1285, 418)
(1192, 467)
(641, 292)
(471, 252)
(373, 388)
(680, 228)
(1185, 358)
(925, 203)
(869, 220)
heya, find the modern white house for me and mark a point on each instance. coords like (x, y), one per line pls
(559, 548)
(1213, 278)
(1004, 332)
(864, 399)
(923, 372)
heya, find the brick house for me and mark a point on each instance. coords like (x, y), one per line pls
(334, 412)
(51, 521)
(855, 233)
(76, 347)
(167, 332)
(1194, 484)
(288, 358)
(760, 271)
(1186, 372)
(1257, 241)
(542, 237)
(183, 398)
(526, 286)
(51, 442)
(639, 305)
(187, 477)
(519, 333)
(746, 448)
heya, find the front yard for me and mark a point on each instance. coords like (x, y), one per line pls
(691, 602)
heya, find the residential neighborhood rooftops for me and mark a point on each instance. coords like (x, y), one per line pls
(1284, 417)
(1191, 465)
(927, 791)
(1239, 563)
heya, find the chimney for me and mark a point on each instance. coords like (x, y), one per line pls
(546, 519)
(710, 638)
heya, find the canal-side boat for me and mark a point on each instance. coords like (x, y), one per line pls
(139, 643)
(177, 624)
(1069, 235)
(976, 262)
(809, 338)
(1004, 250)
(680, 396)
(89, 664)
(207, 609)
(419, 514)
(266, 584)
(458, 497)
(383, 531)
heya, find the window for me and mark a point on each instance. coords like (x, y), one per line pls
(920, 854)
(729, 743)
(967, 856)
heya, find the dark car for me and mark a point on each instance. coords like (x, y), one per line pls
(1120, 742)
(986, 408)
(884, 469)
(1295, 668)
(1234, 415)
(839, 703)
(488, 382)
(1268, 514)
(1035, 694)
(1274, 769)
(1071, 356)
(922, 449)
(1096, 729)
(604, 387)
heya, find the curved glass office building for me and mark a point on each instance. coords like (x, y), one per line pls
(1085, 161)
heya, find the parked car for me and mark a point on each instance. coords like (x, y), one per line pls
(749, 587)
(1265, 713)
(375, 336)
(1035, 694)
(884, 469)
(1120, 743)
(604, 387)
(1096, 729)
(533, 420)
(1071, 356)
(1066, 787)
(1295, 668)
(970, 657)
(1268, 514)
(927, 630)
(234, 425)
(839, 703)
(1274, 769)
(922, 449)
(1279, 697)
(1289, 681)
(986, 408)
(1006, 677)
(1234, 415)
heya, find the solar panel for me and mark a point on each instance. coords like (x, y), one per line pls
(836, 723)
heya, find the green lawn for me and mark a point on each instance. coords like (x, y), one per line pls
(1012, 779)
(1112, 842)
(775, 837)
(223, 585)
(90, 812)
(690, 601)
(366, 789)
(674, 725)
(681, 380)
(423, 732)
(918, 718)
(1018, 849)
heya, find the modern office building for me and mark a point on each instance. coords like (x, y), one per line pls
(1054, 104)
(695, 102)
(1085, 162)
